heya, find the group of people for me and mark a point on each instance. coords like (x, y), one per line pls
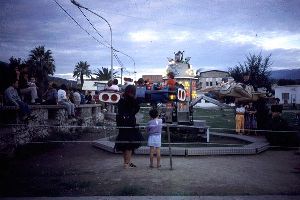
(254, 119)
(23, 91)
(245, 118)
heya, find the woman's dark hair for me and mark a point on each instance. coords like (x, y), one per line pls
(141, 81)
(54, 85)
(109, 83)
(130, 91)
(115, 81)
(153, 113)
(63, 87)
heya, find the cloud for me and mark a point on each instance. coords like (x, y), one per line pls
(265, 40)
(282, 41)
(182, 36)
(144, 36)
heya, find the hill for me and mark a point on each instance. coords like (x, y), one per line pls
(293, 74)
(60, 81)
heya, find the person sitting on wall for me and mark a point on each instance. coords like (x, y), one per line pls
(89, 98)
(51, 94)
(77, 97)
(28, 89)
(63, 100)
(12, 98)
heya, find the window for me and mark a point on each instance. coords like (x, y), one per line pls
(210, 83)
(207, 83)
(285, 97)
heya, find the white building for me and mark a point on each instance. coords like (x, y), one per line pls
(93, 85)
(211, 78)
(288, 94)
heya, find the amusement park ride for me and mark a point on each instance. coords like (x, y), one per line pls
(176, 106)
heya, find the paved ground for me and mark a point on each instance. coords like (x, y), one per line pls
(78, 169)
(265, 197)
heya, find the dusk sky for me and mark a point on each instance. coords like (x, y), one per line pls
(215, 34)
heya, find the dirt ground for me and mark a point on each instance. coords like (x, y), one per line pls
(79, 169)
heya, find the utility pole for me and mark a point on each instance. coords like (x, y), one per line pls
(111, 47)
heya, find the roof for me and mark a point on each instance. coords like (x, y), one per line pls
(214, 70)
(283, 86)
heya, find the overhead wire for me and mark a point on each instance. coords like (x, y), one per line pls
(118, 60)
(79, 24)
(115, 50)
(93, 26)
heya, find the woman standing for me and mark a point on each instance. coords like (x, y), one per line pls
(250, 118)
(239, 119)
(129, 137)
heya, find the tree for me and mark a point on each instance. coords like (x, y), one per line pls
(82, 69)
(41, 64)
(258, 69)
(15, 62)
(103, 74)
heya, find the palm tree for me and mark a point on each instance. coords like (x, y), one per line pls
(14, 62)
(41, 64)
(82, 69)
(103, 74)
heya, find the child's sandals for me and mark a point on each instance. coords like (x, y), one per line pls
(129, 165)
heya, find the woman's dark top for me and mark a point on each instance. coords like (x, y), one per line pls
(51, 97)
(129, 138)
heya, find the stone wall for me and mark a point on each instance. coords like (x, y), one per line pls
(50, 119)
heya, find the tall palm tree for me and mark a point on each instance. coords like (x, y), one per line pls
(82, 69)
(103, 74)
(41, 64)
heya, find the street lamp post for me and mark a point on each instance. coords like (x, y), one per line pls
(111, 47)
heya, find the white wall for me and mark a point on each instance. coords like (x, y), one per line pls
(293, 90)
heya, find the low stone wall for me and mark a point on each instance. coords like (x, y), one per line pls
(50, 119)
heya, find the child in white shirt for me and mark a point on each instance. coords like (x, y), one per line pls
(154, 127)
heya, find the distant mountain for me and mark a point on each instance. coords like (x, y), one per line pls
(293, 74)
(60, 81)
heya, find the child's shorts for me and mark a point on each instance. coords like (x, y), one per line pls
(154, 140)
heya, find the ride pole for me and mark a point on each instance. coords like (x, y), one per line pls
(170, 150)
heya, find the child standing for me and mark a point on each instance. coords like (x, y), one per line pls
(154, 128)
